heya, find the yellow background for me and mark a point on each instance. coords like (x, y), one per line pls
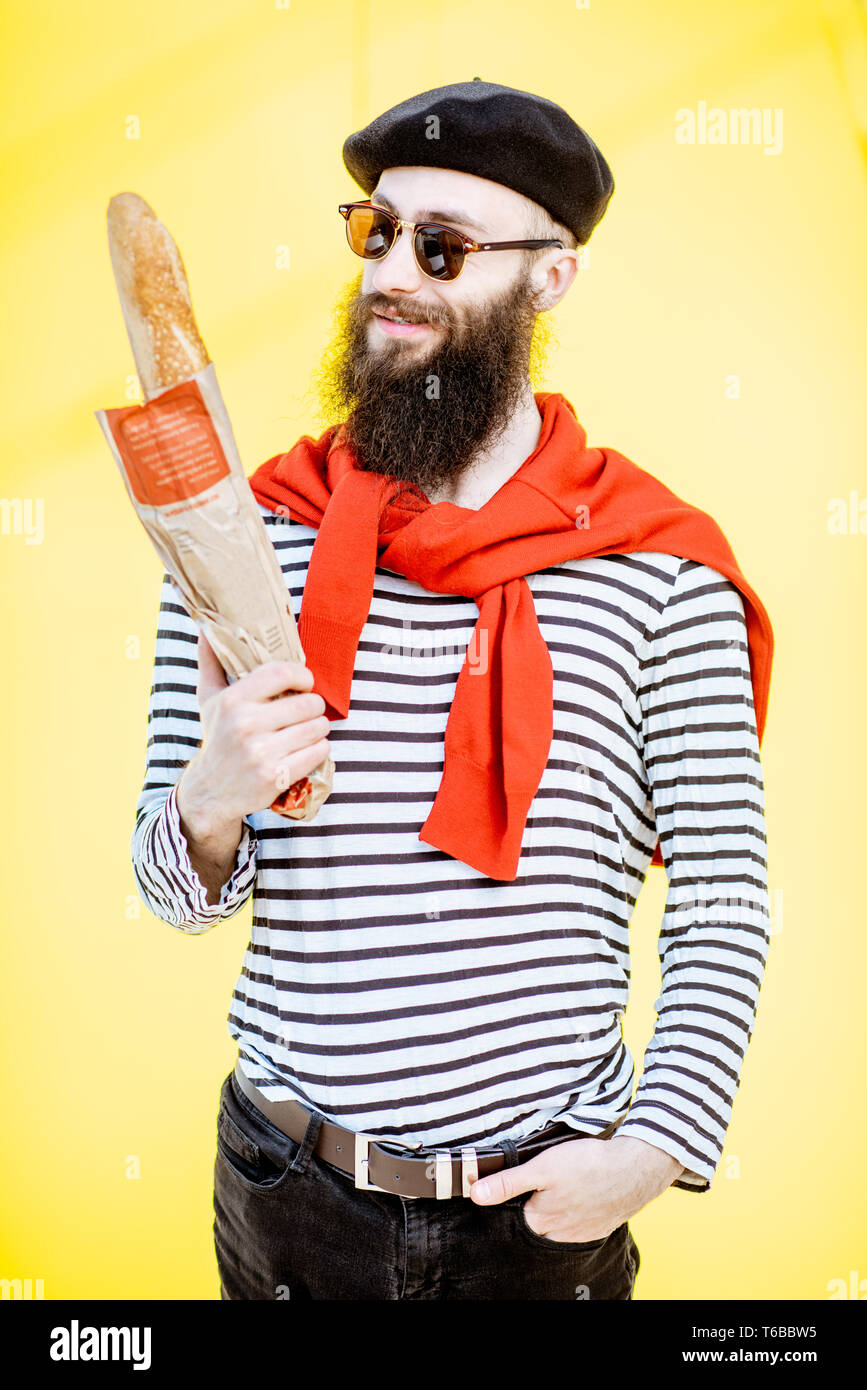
(712, 262)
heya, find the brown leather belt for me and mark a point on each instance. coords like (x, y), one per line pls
(378, 1167)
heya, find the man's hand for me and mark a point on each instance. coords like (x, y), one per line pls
(586, 1187)
(261, 734)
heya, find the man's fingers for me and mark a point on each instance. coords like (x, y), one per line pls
(509, 1182)
(275, 678)
(271, 679)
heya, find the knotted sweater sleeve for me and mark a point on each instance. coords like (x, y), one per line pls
(701, 755)
(167, 882)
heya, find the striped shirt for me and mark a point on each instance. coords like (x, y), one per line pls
(400, 992)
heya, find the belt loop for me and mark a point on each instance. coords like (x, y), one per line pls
(308, 1143)
(510, 1149)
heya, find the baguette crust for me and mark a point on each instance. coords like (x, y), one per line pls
(154, 296)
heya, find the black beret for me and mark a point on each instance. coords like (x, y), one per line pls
(523, 141)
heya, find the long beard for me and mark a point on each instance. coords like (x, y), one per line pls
(423, 416)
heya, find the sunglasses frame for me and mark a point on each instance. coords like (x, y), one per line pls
(469, 246)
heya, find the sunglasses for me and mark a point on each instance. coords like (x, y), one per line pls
(440, 252)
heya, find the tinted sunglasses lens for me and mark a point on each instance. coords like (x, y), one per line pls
(369, 233)
(440, 252)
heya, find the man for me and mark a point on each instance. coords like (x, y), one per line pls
(536, 661)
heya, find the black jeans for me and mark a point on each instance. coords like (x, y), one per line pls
(289, 1225)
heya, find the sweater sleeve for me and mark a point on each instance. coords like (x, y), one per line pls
(701, 754)
(167, 882)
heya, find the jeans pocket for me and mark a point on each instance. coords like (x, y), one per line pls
(547, 1243)
(257, 1155)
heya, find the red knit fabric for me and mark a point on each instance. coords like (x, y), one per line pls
(500, 726)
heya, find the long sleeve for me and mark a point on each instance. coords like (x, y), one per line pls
(701, 755)
(167, 882)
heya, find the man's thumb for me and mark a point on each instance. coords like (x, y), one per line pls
(212, 677)
(508, 1182)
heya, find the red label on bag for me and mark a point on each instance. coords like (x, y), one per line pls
(294, 798)
(170, 447)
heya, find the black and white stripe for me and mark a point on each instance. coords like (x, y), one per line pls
(403, 993)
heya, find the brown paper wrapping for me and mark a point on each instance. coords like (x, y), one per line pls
(182, 471)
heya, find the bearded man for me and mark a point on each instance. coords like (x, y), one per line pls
(540, 671)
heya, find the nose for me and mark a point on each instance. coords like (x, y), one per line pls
(397, 273)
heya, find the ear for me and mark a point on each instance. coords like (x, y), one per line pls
(552, 276)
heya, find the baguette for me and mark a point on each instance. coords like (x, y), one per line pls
(155, 296)
(183, 473)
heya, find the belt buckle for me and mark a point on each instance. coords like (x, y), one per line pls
(362, 1163)
(362, 1169)
(442, 1170)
